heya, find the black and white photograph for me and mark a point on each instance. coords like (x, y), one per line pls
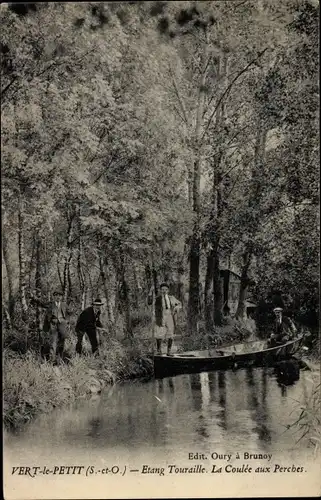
(160, 249)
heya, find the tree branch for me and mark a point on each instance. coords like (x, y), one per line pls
(7, 87)
(178, 96)
(228, 88)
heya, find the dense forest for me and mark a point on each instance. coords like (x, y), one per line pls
(150, 141)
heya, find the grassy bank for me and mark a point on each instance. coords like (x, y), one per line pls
(32, 385)
(308, 422)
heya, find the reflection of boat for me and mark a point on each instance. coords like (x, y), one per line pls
(235, 356)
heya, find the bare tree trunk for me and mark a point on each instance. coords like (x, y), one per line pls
(22, 258)
(59, 273)
(38, 285)
(70, 290)
(212, 292)
(195, 244)
(7, 318)
(81, 277)
(46, 269)
(91, 285)
(66, 275)
(125, 295)
(112, 280)
(34, 243)
(82, 283)
(208, 292)
(10, 275)
(136, 287)
(155, 278)
(217, 201)
(105, 284)
(241, 309)
(217, 292)
(148, 279)
(255, 199)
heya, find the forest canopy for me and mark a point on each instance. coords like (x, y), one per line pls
(144, 141)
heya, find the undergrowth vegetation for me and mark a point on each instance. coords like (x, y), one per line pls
(308, 423)
(32, 385)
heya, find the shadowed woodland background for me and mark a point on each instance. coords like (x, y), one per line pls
(144, 141)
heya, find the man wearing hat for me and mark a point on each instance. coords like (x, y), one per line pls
(166, 309)
(56, 324)
(284, 328)
(88, 322)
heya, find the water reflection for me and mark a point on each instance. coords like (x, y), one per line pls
(258, 405)
(171, 384)
(195, 381)
(222, 399)
(226, 409)
(95, 426)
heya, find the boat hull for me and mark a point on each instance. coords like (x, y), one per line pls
(166, 366)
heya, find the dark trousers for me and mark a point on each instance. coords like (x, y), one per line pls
(58, 335)
(92, 335)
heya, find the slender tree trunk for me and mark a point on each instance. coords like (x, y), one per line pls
(66, 275)
(105, 284)
(7, 318)
(217, 200)
(38, 285)
(46, 268)
(136, 287)
(22, 258)
(10, 275)
(155, 279)
(190, 186)
(217, 291)
(125, 296)
(59, 273)
(91, 285)
(81, 277)
(208, 292)
(110, 269)
(241, 310)
(148, 279)
(257, 186)
(195, 245)
(212, 291)
(70, 290)
(217, 286)
(31, 264)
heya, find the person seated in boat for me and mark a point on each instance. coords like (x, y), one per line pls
(166, 310)
(284, 328)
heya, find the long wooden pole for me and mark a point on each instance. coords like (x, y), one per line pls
(153, 325)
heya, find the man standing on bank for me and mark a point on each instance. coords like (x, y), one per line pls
(166, 309)
(56, 323)
(88, 322)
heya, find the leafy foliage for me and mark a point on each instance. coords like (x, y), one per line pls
(132, 131)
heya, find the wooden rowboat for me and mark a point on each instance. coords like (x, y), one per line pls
(255, 353)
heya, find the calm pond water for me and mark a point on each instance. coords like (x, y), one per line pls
(137, 423)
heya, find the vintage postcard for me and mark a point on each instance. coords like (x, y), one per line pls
(160, 249)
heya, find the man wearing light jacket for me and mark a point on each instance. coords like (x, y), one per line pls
(166, 309)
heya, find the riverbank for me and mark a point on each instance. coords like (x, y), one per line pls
(32, 385)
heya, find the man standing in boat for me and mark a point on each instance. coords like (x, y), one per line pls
(166, 309)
